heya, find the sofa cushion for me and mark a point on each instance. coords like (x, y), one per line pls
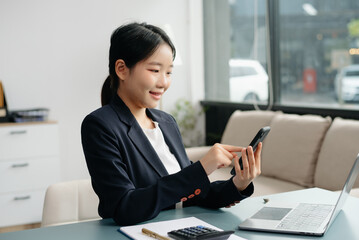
(196, 153)
(268, 185)
(292, 147)
(243, 125)
(220, 174)
(339, 150)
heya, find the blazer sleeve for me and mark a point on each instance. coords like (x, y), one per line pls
(222, 194)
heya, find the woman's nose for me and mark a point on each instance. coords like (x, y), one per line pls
(163, 81)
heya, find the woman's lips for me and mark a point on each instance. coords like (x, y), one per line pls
(156, 95)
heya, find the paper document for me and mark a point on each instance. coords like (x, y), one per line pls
(135, 231)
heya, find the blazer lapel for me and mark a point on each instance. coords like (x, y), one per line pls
(138, 137)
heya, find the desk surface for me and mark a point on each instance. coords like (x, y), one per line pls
(344, 227)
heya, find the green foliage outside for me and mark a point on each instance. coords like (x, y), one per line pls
(187, 116)
(353, 28)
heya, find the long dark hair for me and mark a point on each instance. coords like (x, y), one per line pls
(132, 43)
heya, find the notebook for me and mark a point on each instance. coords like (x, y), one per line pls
(162, 227)
(300, 218)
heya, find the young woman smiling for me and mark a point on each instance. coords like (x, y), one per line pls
(134, 153)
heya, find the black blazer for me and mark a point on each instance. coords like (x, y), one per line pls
(129, 178)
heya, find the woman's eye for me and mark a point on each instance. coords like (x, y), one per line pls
(169, 73)
(154, 70)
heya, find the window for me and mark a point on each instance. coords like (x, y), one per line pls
(314, 46)
(235, 48)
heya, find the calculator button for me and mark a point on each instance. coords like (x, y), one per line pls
(199, 233)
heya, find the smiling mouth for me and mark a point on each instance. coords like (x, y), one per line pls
(157, 95)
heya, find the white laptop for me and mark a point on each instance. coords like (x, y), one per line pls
(300, 218)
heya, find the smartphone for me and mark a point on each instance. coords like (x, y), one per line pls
(259, 137)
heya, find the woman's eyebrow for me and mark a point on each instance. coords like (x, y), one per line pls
(158, 64)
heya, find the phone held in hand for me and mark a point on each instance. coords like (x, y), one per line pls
(259, 137)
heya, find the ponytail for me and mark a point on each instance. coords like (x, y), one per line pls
(108, 90)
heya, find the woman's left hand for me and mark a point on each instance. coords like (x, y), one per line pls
(251, 167)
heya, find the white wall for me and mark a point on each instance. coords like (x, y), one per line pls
(54, 54)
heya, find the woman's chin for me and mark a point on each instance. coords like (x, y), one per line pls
(153, 104)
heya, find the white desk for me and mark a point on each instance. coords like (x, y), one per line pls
(345, 227)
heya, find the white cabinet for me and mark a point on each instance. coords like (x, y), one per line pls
(29, 163)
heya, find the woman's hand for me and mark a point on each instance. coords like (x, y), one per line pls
(251, 167)
(219, 156)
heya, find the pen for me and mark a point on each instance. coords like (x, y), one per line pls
(154, 235)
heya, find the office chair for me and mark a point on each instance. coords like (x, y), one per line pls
(69, 202)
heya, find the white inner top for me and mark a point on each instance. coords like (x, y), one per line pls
(157, 140)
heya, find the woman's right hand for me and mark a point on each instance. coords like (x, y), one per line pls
(219, 156)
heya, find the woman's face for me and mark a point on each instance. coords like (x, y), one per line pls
(147, 81)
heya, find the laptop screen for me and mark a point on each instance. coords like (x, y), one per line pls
(346, 189)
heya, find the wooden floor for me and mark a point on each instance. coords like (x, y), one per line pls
(19, 227)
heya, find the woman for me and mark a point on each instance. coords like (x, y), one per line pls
(134, 153)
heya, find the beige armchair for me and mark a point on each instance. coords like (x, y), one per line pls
(69, 202)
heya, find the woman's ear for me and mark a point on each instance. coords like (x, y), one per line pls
(121, 69)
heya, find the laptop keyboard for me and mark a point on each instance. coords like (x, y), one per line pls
(305, 217)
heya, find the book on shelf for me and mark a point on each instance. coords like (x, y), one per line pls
(30, 115)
